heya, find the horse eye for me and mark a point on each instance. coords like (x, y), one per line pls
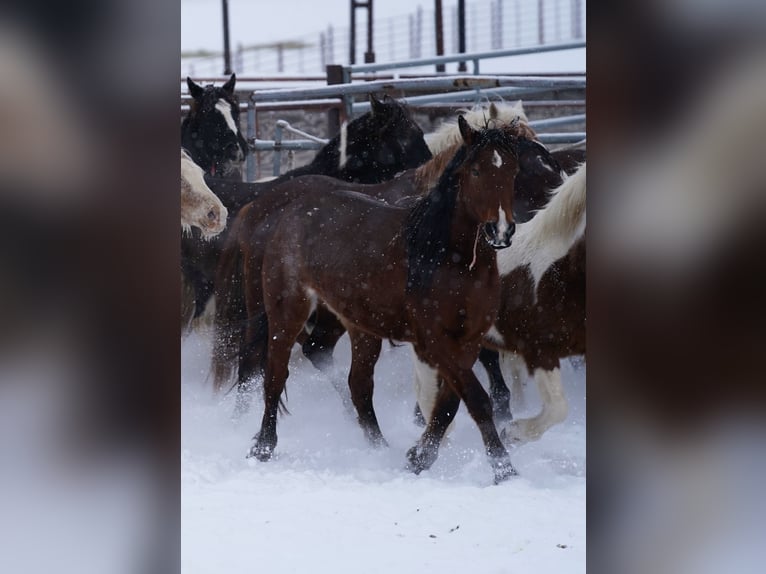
(475, 172)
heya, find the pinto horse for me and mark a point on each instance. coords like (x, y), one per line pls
(382, 270)
(369, 149)
(200, 207)
(542, 308)
(211, 132)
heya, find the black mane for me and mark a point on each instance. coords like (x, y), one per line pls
(382, 128)
(427, 227)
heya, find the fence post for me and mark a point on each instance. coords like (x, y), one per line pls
(439, 25)
(334, 76)
(250, 138)
(540, 23)
(576, 16)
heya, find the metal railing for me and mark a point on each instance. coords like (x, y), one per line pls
(427, 90)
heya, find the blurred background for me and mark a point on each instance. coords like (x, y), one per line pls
(89, 348)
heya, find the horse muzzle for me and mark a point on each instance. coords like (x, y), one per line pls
(497, 238)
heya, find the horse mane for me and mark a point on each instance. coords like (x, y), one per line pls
(426, 228)
(552, 231)
(429, 173)
(481, 116)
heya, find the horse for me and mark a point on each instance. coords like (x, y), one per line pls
(248, 234)
(369, 149)
(539, 172)
(200, 207)
(211, 130)
(382, 269)
(541, 316)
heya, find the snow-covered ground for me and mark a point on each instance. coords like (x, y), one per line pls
(330, 503)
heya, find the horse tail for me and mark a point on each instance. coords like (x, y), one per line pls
(230, 313)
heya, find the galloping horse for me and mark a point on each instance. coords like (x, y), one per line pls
(542, 307)
(200, 207)
(383, 270)
(247, 237)
(369, 149)
(210, 132)
(540, 172)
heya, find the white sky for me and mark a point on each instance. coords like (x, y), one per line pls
(261, 21)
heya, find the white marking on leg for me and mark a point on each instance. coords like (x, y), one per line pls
(343, 144)
(513, 367)
(554, 410)
(427, 389)
(497, 161)
(225, 108)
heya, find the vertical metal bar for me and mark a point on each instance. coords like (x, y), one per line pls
(540, 23)
(576, 19)
(439, 24)
(277, 150)
(334, 76)
(369, 55)
(352, 36)
(226, 50)
(250, 138)
(461, 67)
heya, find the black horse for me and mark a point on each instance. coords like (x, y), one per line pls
(211, 134)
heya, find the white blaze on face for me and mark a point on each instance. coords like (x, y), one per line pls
(502, 221)
(497, 161)
(225, 108)
(343, 144)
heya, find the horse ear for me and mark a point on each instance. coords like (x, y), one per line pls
(466, 132)
(229, 86)
(376, 106)
(493, 111)
(194, 89)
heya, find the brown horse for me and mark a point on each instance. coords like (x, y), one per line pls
(426, 275)
(542, 309)
(538, 172)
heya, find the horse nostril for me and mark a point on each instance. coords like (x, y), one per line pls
(212, 215)
(511, 228)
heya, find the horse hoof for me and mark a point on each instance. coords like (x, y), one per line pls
(513, 435)
(419, 460)
(503, 471)
(418, 417)
(262, 452)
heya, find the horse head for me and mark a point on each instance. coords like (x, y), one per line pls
(381, 143)
(486, 175)
(539, 172)
(199, 205)
(211, 131)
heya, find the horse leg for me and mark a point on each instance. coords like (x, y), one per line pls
(467, 387)
(252, 357)
(498, 391)
(517, 366)
(421, 456)
(286, 319)
(365, 350)
(554, 410)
